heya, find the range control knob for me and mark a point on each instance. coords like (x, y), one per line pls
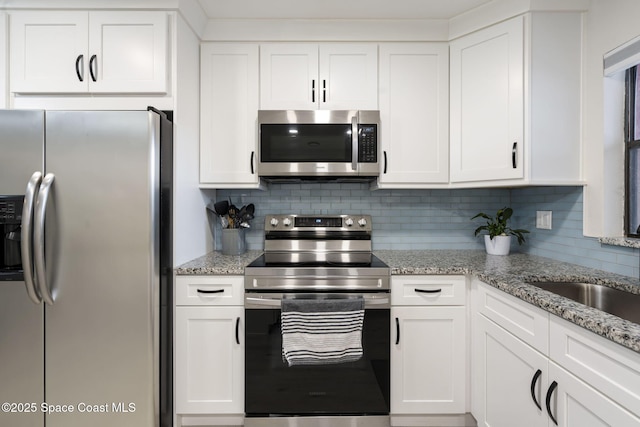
(348, 222)
(362, 222)
(273, 222)
(286, 222)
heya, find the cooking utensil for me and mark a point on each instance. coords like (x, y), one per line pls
(232, 214)
(221, 208)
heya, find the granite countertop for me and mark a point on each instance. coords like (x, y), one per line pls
(507, 273)
(216, 263)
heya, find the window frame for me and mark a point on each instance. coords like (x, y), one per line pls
(630, 143)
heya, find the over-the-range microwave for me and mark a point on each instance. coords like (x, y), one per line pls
(318, 144)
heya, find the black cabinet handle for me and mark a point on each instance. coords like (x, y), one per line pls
(534, 380)
(397, 331)
(552, 387)
(313, 90)
(93, 64)
(208, 291)
(238, 330)
(80, 73)
(428, 291)
(253, 153)
(324, 91)
(514, 154)
(385, 162)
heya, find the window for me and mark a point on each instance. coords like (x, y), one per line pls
(632, 152)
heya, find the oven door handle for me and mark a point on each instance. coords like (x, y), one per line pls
(275, 300)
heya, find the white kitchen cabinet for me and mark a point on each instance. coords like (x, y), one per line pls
(579, 351)
(414, 110)
(209, 345)
(331, 76)
(88, 52)
(506, 369)
(228, 115)
(515, 102)
(574, 379)
(574, 404)
(428, 345)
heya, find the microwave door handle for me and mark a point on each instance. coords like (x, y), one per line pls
(354, 143)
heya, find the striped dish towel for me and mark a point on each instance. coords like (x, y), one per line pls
(322, 331)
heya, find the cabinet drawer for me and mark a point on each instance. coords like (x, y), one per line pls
(605, 365)
(209, 290)
(428, 290)
(522, 319)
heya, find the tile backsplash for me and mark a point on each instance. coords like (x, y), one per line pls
(440, 219)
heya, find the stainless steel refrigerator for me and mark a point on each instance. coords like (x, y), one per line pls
(85, 268)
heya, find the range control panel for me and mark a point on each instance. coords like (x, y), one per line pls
(317, 222)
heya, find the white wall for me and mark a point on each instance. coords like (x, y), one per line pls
(608, 24)
(4, 69)
(191, 236)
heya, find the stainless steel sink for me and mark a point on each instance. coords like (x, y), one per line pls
(619, 303)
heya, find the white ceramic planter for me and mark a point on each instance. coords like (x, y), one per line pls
(499, 245)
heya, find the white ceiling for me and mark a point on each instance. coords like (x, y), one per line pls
(337, 9)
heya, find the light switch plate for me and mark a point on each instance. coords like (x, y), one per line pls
(544, 219)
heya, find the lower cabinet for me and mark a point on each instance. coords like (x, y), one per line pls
(515, 376)
(209, 340)
(428, 345)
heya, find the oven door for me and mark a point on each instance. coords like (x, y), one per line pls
(274, 389)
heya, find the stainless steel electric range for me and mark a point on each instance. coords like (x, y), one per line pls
(324, 258)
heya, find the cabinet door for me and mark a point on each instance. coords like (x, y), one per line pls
(348, 76)
(288, 76)
(48, 52)
(487, 103)
(128, 52)
(573, 403)
(209, 360)
(229, 114)
(504, 372)
(428, 360)
(414, 107)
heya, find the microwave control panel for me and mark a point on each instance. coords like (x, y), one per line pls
(367, 144)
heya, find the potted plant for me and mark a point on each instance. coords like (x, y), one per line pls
(498, 241)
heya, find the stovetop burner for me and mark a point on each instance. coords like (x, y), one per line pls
(320, 253)
(261, 262)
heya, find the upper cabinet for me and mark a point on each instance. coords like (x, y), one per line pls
(515, 102)
(302, 76)
(414, 111)
(228, 115)
(88, 52)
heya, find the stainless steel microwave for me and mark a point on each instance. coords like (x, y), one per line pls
(318, 143)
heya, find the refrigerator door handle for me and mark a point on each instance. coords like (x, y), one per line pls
(26, 243)
(38, 237)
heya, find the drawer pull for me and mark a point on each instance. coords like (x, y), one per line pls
(552, 387)
(534, 380)
(428, 291)
(212, 291)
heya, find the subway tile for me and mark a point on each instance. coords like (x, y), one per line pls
(441, 219)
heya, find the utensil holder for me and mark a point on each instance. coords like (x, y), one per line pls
(233, 242)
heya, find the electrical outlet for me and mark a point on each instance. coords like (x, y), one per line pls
(543, 219)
